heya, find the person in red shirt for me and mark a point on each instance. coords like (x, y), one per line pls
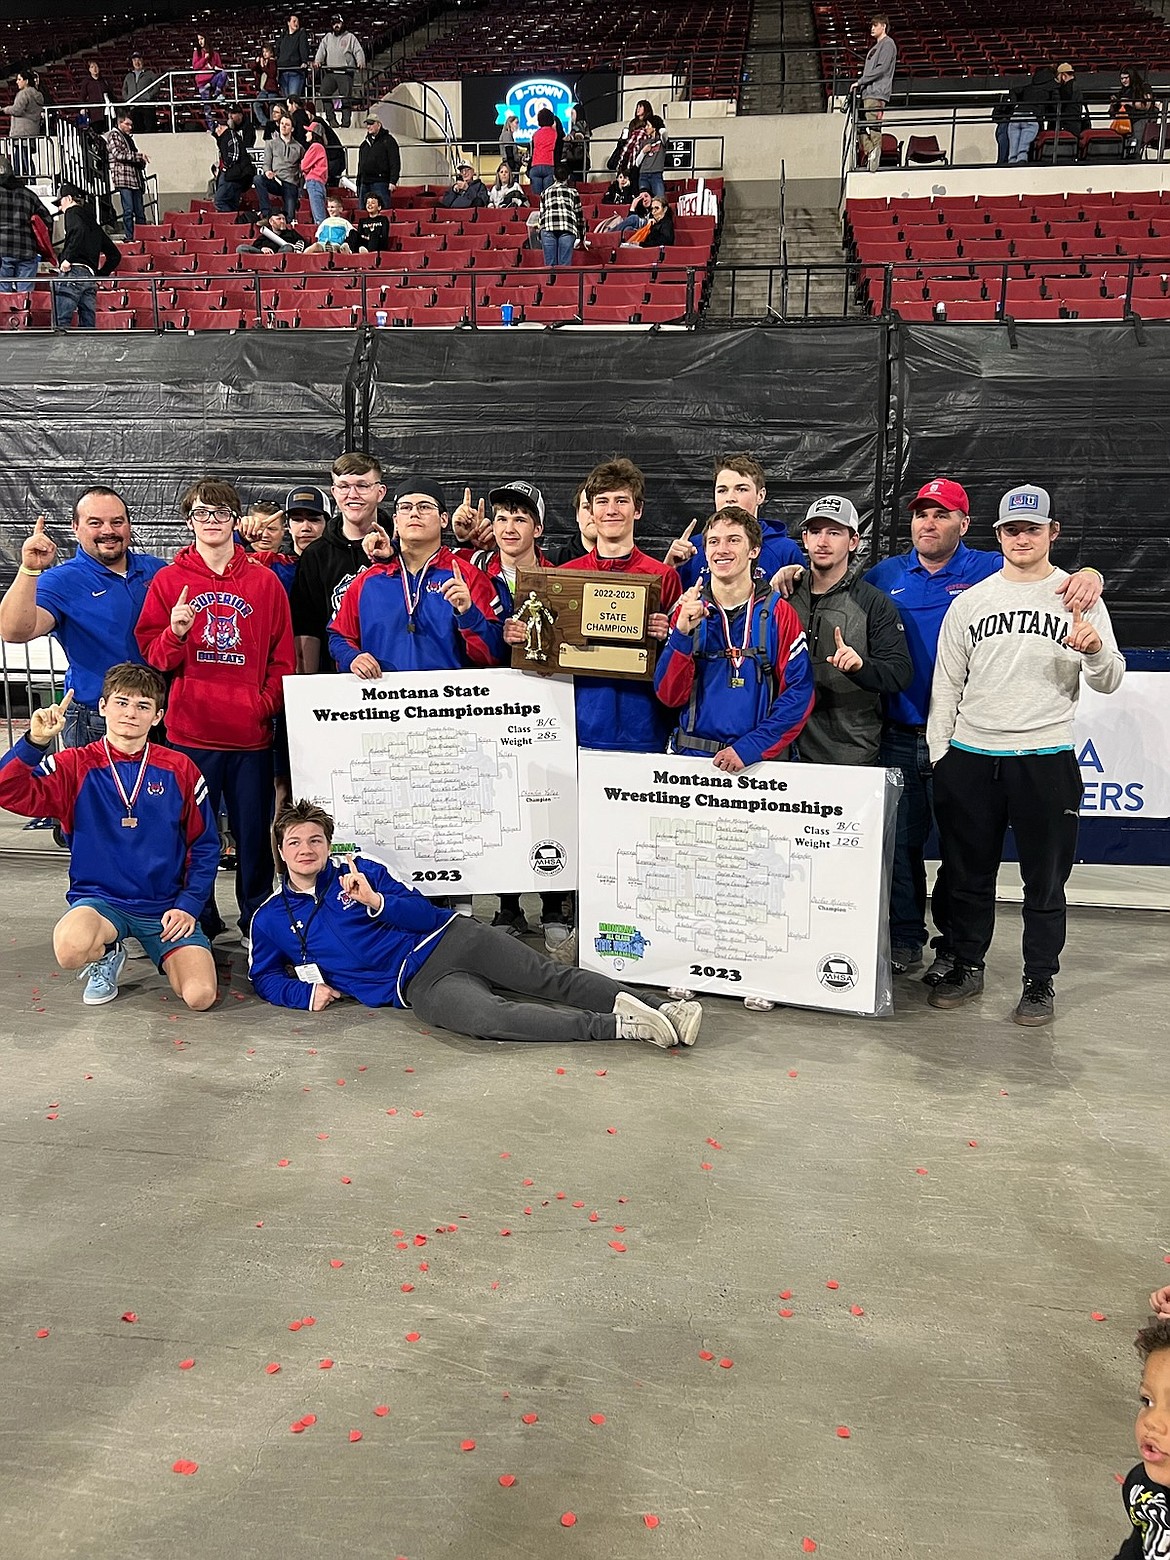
(221, 628)
(546, 150)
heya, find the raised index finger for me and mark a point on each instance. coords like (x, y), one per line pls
(686, 536)
(39, 528)
(182, 601)
(467, 498)
(66, 701)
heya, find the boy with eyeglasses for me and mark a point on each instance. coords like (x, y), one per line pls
(418, 608)
(330, 565)
(220, 628)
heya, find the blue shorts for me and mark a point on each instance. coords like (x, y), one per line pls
(147, 929)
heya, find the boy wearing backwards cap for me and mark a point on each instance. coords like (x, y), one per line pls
(855, 638)
(1010, 661)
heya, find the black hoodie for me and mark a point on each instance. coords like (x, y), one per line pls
(327, 566)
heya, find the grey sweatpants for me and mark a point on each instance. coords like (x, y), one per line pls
(459, 988)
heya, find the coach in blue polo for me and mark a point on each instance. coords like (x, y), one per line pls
(89, 604)
(922, 584)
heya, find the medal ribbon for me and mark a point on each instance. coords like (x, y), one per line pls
(737, 656)
(127, 801)
(413, 601)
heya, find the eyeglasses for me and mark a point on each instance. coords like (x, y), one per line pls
(425, 507)
(355, 487)
(205, 514)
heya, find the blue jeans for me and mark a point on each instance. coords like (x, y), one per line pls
(1002, 148)
(83, 725)
(267, 187)
(133, 211)
(244, 781)
(22, 269)
(377, 187)
(655, 183)
(315, 189)
(75, 293)
(540, 176)
(1021, 134)
(906, 750)
(292, 83)
(228, 194)
(558, 248)
(258, 106)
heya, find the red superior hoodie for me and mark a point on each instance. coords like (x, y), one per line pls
(226, 674)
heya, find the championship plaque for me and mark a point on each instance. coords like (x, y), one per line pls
(586, 622)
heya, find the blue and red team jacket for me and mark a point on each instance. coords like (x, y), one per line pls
(778, 551)
(373, 619)
(168, 862)
(617, 713)
(372, 958)
(759, 720)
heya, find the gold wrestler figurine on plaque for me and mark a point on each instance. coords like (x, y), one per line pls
(534, 615)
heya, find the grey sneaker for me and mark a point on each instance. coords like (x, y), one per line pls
(555, 933)
(637, 1020)
(874, 160)
(962, 984)
(680, 993)
(102, 977)
(564, 952)
(1036, 1005)
(684, 1018)
(905, 959)
(944, 963)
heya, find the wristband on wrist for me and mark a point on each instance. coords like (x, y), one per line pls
(33, 574)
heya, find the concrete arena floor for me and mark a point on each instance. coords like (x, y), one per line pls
(141, 1156)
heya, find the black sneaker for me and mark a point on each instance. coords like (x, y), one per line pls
(943, 964)
(905, 959)
(1036, 1005)
(959, 985)
(514, 925)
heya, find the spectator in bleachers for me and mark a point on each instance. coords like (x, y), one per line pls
(575, 151)
(1033, 106)
(637, 216)
(620, 191)
(276, 237)
(467, 189)
(235, 138)
(339, 57)
(293, 108)
(545, 151)
(379, 163)
(507, 190)
(292, 59)
(25, 121)
(562, 221)
(624, 158)
(874, 88)
(266, 83)
(281, 173)
(87, 253)
(652, 229)
(333, 230)
(139, 87)
(371, 232)
(315, 170)
(1071, 114)
(210, 76)
(1133, 102)
(510, 149)
(127, 172)
(331, 564)
(19, 251)
(652, 159)
(95, 94)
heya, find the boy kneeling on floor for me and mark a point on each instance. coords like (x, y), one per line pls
(356, 931)
(144, 847)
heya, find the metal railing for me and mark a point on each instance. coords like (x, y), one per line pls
(33, 676)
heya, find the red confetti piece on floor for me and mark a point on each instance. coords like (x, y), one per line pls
(322, 1137)
(528, 1210)
(831, 1283)
(505, 1232)
(726, 1364)
(578, 1205)
(972, 1143)
(347, 1180)
(308, 1321)
(308, 1419)
(844, 1432)
(325, 1364)
(561, 1196)
(355, 1435)
(785, 1294)
(365, 1067)
(89, 1077)
(129, 1316)
(920, 1171)
(596, 1419)
(705, 1354)
(611, 1131)
(507, 1480)
(420, 1240)
(1166, 1259)
(467, 1446)
(382, 1410)
(650, 1520)
(272, 1369)
(623, 1200)
(51, 1116)
(560, 1072)
(712, 1143)
(393, 1111)
(528, 1181)
(706, 1166)
(336, 1262)
(1003, 1094)
(784, 1313)
(1098, 1316)
(855, 1310)
(407, 1289)
(417, 1113)
(402, 1245)
(298, 1427)
(617, 1245)
(186, 1364)
(601, 1072)
(619, 1229)
(1119, 1478)
(568, 1519)
(792, 1072)
(43, 1332)
(594, 1217)
(341, 1083)
(184, 1465)
(506, 1154)
(424, 1267)
(809, 1545)
(283, 1164)
(413, 1337)
(411, 1069)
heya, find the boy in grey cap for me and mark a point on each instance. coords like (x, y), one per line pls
(1011, 657)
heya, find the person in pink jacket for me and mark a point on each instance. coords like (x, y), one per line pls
(315, 170)
(210, 76)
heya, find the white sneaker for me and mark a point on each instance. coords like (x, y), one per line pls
(680, 994)
(758, 1004)
(565, 952)
(685, 1018)
(637, 1020)
(555, 933)
(874, 161)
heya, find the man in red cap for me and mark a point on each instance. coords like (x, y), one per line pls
(922, 584)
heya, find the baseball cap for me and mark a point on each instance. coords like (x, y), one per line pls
(306, 500)
(945, 493)
(424, 485)
(463, 163)
(1024, 503)
(834, 507)
(371, 119)
(529, 495)
(1065, 70)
